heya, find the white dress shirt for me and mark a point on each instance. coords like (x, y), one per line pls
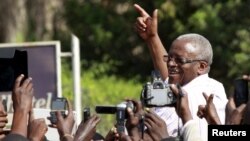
(190, 131)
(195, 88)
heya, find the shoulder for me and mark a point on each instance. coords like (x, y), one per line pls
(215, 82)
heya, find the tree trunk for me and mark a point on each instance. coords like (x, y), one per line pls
(29, 20)
(13, 20)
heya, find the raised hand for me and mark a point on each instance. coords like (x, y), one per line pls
(36, 128)
(182, 106)
(112, 135)
(145, 25)
(65, 125)
(22, 96)
(234, 115)
(208, 111)
(134, 119)
(87, 130)
(156, 127)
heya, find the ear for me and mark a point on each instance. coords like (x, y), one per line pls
(203, 67)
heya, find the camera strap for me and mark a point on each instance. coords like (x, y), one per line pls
(141, 123)
(180, 94)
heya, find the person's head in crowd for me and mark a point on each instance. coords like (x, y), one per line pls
(189, 56)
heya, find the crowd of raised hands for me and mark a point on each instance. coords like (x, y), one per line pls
(26, 127)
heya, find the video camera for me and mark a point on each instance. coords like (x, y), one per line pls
(157, 93)
(121, 113)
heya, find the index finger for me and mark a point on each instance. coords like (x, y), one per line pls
(18, 80)
(141, 10)
(205, 96)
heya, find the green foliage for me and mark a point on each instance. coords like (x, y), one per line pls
(101, 90)
(113, 56)
(107, 35)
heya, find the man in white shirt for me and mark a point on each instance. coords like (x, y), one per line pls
(187, 63)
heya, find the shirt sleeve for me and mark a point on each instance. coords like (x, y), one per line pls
(190, 131)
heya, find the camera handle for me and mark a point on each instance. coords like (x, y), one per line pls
(121, 119)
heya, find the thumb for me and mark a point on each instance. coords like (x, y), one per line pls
(174, 89)
(155, 17)
(31, 116)
(231, 103)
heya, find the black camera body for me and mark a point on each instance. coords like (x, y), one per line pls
(86, 114)
(121, 113)
(59, 104)
(157, 93)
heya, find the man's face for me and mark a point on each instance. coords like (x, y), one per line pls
(181, 70)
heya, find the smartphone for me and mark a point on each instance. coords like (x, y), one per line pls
(86, 114)
(59, 104)
(240, 91)
(11, 68)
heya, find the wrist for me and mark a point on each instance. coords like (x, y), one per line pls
(215, 121)
(67, 137)
(153, 38)
(186, 117)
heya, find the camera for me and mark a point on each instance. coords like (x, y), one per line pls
(59, 104)
(121, 113)
(240, 91)
(157, 93)
(11, 68)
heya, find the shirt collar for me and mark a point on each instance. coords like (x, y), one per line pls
(198, 79)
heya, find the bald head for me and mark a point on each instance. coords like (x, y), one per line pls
(199, 44)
